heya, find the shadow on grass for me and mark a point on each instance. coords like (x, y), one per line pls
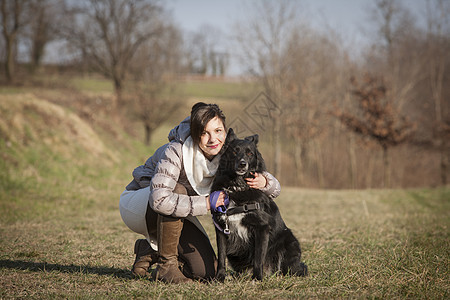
(46, 267)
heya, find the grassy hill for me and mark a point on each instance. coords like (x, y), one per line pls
(61, 234)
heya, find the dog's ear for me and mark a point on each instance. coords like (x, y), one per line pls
(231, 136)
(253, 138)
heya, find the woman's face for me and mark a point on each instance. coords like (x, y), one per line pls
(212, 138)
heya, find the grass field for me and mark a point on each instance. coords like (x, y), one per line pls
(61, 235)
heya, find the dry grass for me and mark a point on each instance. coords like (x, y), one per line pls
(61, 235)
(26, 119)
(400, 250)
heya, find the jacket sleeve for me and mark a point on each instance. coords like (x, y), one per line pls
(162, 198)
(141, 179)
(142, 176)
(273, 187)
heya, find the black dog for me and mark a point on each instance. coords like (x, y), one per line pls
(251, 233)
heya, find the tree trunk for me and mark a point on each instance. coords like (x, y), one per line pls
(444, 165)
(319, 164)
(369, 171)
(10, 38)
(39, 39)
(352, 158)
(10, 60)
(277, 148)
(37, 53)
(387, 171)
(148, 134)
(118, 91)
(298, 162)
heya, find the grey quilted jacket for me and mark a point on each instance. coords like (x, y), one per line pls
(164, 169)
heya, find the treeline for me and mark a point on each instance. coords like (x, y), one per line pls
(380, 119)
(135, 43)
(333, 118)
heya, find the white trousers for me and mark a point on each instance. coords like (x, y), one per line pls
(133, 208)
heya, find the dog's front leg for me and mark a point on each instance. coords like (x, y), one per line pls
(261, 245)
(222, 255)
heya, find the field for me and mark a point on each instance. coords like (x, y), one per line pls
(61, 235)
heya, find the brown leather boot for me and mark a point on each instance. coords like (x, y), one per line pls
(145, 257)
(169, 231)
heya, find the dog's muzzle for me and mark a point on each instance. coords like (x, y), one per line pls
(241, 167)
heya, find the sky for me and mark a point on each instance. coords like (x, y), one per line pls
(342, 14)
(345, 16)
(349, 18)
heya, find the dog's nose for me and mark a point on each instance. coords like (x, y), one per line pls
(242, 163)
(241, 167)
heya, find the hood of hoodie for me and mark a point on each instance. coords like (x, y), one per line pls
(181, 132)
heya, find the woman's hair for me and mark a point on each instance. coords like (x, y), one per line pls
(201, 114)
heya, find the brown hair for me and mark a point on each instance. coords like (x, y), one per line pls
(201, 114)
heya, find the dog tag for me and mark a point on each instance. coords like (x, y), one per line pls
(226, 230)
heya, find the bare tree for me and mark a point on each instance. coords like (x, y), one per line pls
(261, 39)
(196, 53)
(44, 17)
(12, 13)
(438, 57)
(397, 57)
(109, 32)
(151, 104)
(152, 94)
(377, 118)
(204, 53)
(311, 83)
(412, 56)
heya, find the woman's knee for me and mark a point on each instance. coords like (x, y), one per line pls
(132, 207)
(196, 252)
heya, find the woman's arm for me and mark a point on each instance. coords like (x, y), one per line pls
(162, 198)
(266, 182)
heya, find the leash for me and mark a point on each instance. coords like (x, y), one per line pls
(225, 230)
(233, 211)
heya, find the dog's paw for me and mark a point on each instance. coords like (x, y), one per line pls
(220, 276)
(304, 269)
(258, 277)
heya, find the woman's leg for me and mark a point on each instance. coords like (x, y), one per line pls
(196, 252)
(184, 240)
(133, 209)
(135, 212)
(169, 232)
(193, 246)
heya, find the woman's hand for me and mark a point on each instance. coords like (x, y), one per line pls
(259, 182)
(220, 201)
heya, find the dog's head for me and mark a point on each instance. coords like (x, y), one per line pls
(241, 156)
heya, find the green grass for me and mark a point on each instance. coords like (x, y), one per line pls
(10, 90)
(61, 234)
(215, 90)
(90, 84)
(398, 250)
(196, 89)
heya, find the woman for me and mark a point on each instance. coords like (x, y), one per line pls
(171, 189)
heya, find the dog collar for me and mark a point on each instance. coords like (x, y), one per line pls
(243, 208)
(232, 211)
